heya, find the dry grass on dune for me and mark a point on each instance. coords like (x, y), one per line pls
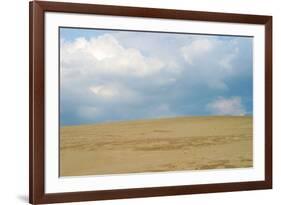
(182, 143)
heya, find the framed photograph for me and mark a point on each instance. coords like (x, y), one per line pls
(139, 102)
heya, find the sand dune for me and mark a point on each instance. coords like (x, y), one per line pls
(182, 143)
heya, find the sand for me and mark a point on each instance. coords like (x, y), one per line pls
(172, 144)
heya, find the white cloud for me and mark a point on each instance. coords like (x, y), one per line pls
(104, 91)
(212, 60)
(113, 93)
(196, 49)
(226, 61)
(227, 106)
(104, 54)
(104, 47)
(107, 77)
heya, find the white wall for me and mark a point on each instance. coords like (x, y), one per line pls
(14, 100)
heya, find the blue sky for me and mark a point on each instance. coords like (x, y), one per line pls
(109, 75)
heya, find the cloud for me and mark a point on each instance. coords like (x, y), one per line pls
(104, 54)
(113, 93)
(227, 106)
(104, 91)
(212, 60)
(122, 75)
(197, 49)
(226, 61)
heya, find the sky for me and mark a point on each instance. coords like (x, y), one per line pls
(112, 75)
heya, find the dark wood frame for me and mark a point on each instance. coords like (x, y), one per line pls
(37, 94)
